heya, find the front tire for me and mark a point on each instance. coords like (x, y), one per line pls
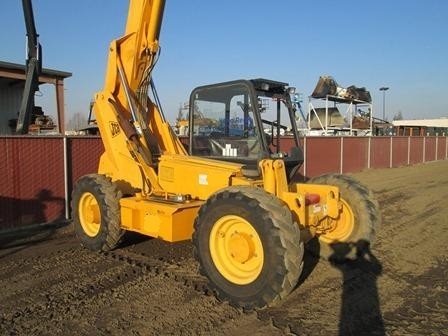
(359, 218)
(96, 212)
(248, 246)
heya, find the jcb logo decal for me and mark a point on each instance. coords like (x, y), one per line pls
(114, 128)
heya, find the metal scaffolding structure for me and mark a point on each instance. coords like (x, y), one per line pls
(325, 117)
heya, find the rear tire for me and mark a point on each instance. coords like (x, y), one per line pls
(96, 212)
(359, 219)
(248, 246)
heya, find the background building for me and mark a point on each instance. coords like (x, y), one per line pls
(421, 127)
(12, 83)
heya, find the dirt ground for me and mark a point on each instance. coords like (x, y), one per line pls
(50, 285)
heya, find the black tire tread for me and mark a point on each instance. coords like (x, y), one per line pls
(369, 220)
(290, 247)
(108, 196)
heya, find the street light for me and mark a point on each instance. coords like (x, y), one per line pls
(384, 89)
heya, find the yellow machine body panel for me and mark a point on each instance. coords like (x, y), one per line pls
(310, 204)
(116, 161)
(168, 221)
(197, 177)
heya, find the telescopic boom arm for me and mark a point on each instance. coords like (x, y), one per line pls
(132, 126)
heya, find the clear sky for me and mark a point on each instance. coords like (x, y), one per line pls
(401, 44)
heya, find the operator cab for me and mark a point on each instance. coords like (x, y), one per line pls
(242, 121)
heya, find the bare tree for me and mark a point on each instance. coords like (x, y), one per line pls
(76, 122)
(398, 116)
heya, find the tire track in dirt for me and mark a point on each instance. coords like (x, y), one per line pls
(56, 284)
(77, 287)
(412, 246)
(427, 315)
(187, 277)
(413, 212)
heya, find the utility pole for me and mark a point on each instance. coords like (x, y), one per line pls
(384, 89)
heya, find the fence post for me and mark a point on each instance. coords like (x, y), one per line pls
(342, 156)
(437, 148)
(369, 144)
(409, 150)
(304, 156)
(66, 196)
(390, 153)
(424, 149)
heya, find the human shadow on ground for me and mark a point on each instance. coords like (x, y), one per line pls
(360, 307)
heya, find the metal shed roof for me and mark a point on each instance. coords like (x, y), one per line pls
(13, 72)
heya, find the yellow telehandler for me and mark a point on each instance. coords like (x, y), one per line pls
(230, 190)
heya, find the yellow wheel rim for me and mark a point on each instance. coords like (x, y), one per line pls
(236, 249)
(341, 228)
(89, 214)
